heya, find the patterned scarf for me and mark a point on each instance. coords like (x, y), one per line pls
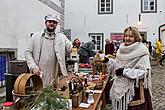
(135, 50)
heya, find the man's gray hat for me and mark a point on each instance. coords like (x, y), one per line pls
(51, 17)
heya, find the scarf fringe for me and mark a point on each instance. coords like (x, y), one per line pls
(123, 103)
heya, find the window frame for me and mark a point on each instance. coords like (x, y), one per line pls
(101, 40)
(148, 10)
(105, 12)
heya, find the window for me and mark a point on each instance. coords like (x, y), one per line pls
(99, 39)
(105, 6)
(148, 6)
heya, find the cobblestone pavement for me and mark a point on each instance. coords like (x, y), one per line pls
(158, 87)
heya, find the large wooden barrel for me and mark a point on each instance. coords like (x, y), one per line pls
(21, 83)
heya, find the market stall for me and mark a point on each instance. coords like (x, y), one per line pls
(97, 91)
(85, 89)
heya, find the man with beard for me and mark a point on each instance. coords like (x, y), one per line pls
(45, 53)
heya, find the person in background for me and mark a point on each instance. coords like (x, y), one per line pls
(159, 51)
(144, 41)
(45, 52)
(76, 43)
(162, 54)
(117, 45)
(161, 60)
(150, 47)
(86, 51)
(109, 47)
(131, 89)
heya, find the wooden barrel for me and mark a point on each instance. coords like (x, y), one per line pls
(21, 82)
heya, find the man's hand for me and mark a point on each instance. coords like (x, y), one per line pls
(36, 71)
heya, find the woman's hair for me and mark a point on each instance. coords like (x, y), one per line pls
(74, 42)
(134, 32)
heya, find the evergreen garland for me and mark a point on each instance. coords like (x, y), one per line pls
(47, 99)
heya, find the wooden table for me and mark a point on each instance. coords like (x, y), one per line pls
(99, 98)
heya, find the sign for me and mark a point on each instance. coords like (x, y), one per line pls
(117, 37)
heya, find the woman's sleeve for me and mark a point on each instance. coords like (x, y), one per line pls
(139, 70)
(134, 73)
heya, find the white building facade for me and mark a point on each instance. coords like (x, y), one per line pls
(86, 19)
(20, 18)
(101, 19)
